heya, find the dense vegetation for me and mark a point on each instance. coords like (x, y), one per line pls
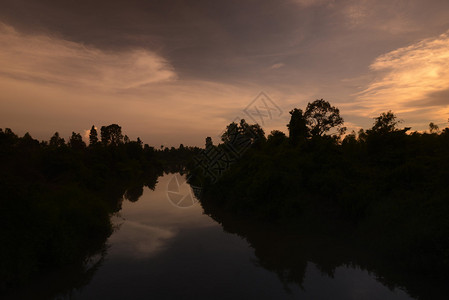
(57, 197)
(385, 187)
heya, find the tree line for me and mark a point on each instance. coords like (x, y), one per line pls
(382, 179)
(57, 197)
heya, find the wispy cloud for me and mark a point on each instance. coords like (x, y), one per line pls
(277, 66)
(42, 58)
(410, 78)
(177, 75)
(49, 84)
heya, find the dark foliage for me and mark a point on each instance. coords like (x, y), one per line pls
(57, 198)
(389, 186)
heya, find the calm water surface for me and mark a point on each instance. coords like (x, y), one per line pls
(161, 251)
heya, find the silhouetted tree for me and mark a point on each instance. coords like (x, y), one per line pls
(28, 142)
(433, 128)
(8, 137)
(362, 135)
(276, 138)
(321, 117)
(93, 136)
(242, 134)
(232, 131)
(76, 141)
(208, 142)
(297, 127)
(111, 135)
(256, 133)
(384, 123)
(57, 141)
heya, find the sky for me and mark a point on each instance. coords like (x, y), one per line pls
(174, 72)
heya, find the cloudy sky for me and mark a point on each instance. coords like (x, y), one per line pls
(175, 72)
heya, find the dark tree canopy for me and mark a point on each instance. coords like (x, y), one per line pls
(111, 135)
(76, 141)
(318, 119)
(321, 117)
(243, 132)
(134, 193)
(28, 142)
(231, 131)
(276, 138)
(385, 123)
(56, 140)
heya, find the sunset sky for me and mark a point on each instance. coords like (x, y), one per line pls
(175, 72)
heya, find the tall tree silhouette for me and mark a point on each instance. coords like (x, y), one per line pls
(297, 127)
(93, 136)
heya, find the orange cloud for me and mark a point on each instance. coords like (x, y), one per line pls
(43, 58)
(408, 81)
(49, 84)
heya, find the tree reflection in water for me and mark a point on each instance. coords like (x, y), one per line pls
(288, 253)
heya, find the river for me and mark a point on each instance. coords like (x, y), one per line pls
(166, 249)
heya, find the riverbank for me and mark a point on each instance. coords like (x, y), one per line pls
(385, 187)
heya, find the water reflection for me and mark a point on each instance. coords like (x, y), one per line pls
(140, 241)
(86, 228)
(326, 267)
(161, 251)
